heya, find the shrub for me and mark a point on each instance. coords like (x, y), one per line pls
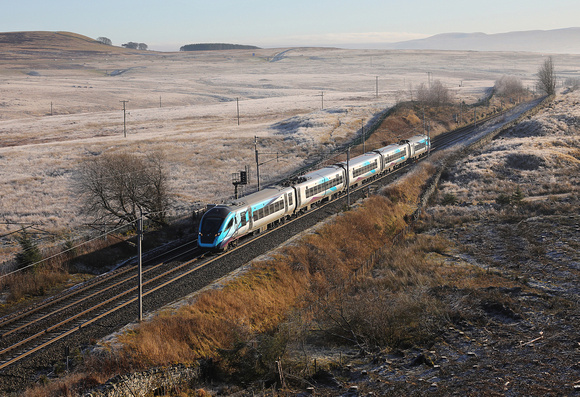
(434, 95)
(517, 197)
(509, 86)
(30, 253)
(503, 199)
(449, 199)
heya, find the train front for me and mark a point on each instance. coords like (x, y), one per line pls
(212, 228)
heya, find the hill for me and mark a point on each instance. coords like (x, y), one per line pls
(563, 41)
(49, 44)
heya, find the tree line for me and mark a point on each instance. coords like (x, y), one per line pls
(131, 45)
(216, 46)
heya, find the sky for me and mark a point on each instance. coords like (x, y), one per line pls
(166, 25)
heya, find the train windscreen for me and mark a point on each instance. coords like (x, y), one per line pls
(212, 221)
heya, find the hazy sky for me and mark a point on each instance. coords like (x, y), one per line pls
(166, 25)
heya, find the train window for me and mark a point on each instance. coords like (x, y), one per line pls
(243, 218)
(323, 187)
(395, 156)
(420, 145)
(290, 202)
(259, 214)
(365, 169)
(230, 224)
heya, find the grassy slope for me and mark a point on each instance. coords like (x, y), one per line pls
(47, 44)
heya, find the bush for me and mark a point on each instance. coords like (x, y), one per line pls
(517, 196)
(30, 253)
(509, 87)
(503, 199)
(435, 95)
(449, 199)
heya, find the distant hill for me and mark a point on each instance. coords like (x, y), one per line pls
(216, 46)
(561, 41)
(49, 43)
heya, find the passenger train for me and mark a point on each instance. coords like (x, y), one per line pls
(222, 225)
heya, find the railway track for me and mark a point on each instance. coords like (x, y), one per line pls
(450, 138)
(27, 332)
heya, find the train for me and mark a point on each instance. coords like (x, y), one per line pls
(221, 226)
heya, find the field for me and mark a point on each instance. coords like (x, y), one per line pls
(482, 298)
(60, 107)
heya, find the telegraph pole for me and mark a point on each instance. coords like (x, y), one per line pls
(377, 88)
(257, 160)
(362, 130)
(140, 238)
(348, 177)
(429, 139)
(322, 96)
(238, 110)
(124, 119)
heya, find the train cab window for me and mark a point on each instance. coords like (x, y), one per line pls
(230, 224)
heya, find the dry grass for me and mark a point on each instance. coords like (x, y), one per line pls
(259, 301)
(403, 303)
(37, 283)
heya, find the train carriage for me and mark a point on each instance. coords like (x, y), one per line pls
(270, 205)
(319, 185)
(222, 225)
(363, 167)
(393, 156)
(419, 145)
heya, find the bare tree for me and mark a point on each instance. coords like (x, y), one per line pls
(120, 187)
(142, 46)
(436, 95)
(547, 77)
(509, 87)
(104, 40)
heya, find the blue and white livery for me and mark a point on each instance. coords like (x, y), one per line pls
(222, 225)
